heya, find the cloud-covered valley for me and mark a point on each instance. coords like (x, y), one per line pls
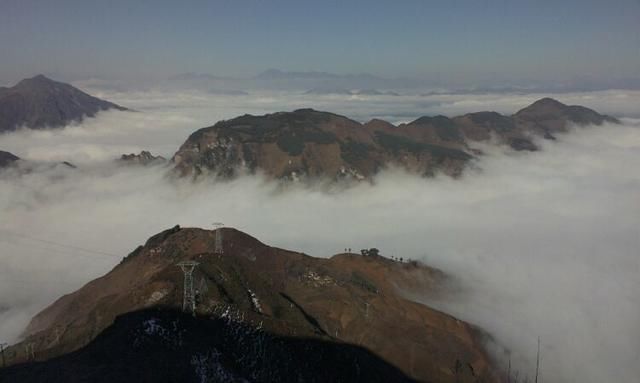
(540, 244)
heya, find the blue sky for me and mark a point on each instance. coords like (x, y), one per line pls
(462, 41)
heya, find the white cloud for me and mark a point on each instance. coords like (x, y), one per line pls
(165, 120)
(540, 244)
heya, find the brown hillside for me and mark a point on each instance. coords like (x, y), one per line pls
(309, 144)
(348, 298)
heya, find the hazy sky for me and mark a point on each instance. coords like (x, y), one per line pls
(462, 40)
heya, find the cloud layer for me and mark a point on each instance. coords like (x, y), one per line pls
(539, 244)
(165, 119)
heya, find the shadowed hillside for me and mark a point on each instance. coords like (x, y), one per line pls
(168, 346)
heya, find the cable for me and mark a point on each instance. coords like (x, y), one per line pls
(96, 252)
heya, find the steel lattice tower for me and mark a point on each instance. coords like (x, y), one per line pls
(2, 346)
(218, 242)
(188, 298)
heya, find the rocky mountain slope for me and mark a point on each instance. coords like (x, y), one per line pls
(347, 299)
(309, 143)
(40, 102)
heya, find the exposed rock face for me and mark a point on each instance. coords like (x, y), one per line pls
(348, 298)
(168, 346)
(7, 159)
(40, 102)
(309, 143)
(144, 158)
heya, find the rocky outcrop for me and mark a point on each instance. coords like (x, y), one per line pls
(144, 158)
(39, 103)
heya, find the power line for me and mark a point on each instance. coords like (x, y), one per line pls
(2, 346)
(72, 247)
(43, 248)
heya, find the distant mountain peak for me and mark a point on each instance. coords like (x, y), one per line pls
(304, 110)
(547, 102)
(39, 77)
(40, 102)
(40, 80)
(556, 114)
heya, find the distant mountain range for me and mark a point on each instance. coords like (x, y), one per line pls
(311, 144)
(262, 310)
(39, 103)
(351, 92)
(275, 79)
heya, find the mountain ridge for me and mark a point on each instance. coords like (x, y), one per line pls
(306, 143)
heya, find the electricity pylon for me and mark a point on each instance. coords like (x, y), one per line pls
(188, 297)
(30, 351)
(2, 346)
(218, 243)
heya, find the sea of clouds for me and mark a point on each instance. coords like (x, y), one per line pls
(541, 244)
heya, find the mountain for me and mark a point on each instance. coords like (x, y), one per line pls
(346, 302)
(548, 116)
(40, 103)
(7, 159)
(307, 143)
